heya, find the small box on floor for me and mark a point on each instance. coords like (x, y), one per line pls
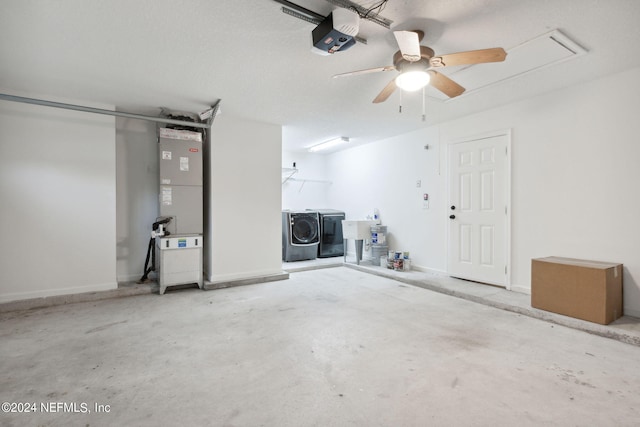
(397, 260)
(587, 290)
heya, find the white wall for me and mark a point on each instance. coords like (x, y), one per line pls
(57, 215)
(244, 234)
(384, 176)
(136, 194)
(302, 191)
(574, 179)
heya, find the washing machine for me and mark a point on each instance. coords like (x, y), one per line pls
(300, 235)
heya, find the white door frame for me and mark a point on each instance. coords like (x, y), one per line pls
(507, 242)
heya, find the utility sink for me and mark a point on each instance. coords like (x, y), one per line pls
(357, 229)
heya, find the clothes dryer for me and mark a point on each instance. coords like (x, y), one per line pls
(300, 235)
(331, 240)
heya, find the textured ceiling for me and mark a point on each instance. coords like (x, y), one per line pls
(186, 54)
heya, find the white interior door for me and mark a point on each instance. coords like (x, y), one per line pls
(479, 182)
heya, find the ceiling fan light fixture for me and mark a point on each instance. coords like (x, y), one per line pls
(328, 144)
(412, 81)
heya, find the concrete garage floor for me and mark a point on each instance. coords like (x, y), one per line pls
(329, 347)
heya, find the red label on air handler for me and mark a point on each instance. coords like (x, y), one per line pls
(193, 150)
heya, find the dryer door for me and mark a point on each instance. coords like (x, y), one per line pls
(304, 230)
(332, 229)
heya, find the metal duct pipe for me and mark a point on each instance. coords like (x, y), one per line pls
(106, 112)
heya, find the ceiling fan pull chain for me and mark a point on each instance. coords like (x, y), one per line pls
(424, 101)
(400, 106)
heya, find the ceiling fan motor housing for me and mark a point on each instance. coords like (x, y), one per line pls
(402, 65)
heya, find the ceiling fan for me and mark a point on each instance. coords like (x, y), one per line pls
(417, 65)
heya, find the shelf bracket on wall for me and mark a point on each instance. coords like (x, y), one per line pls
(318, 181)
(287, 173)
(304, 181)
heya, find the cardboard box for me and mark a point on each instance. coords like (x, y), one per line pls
(587, 290)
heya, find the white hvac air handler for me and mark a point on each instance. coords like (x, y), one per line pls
(176, 238)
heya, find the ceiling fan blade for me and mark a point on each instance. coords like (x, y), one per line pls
(496, 54)
(409, 43)
(445, 85)
(386, 92)
(367, 71)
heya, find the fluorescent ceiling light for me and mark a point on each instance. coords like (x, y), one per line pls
(412, 80)
(328, 144)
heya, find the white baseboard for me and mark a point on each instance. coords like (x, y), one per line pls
(129, 278)
(44, 293)
(282, 275)
(631, 312)
(245, 275)
(521, 289)
(429, 270)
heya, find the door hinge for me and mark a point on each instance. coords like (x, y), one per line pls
(505, 270)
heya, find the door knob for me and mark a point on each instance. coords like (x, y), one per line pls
(453, 208)
(452, 217)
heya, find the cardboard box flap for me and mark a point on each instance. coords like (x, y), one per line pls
(579, 262)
